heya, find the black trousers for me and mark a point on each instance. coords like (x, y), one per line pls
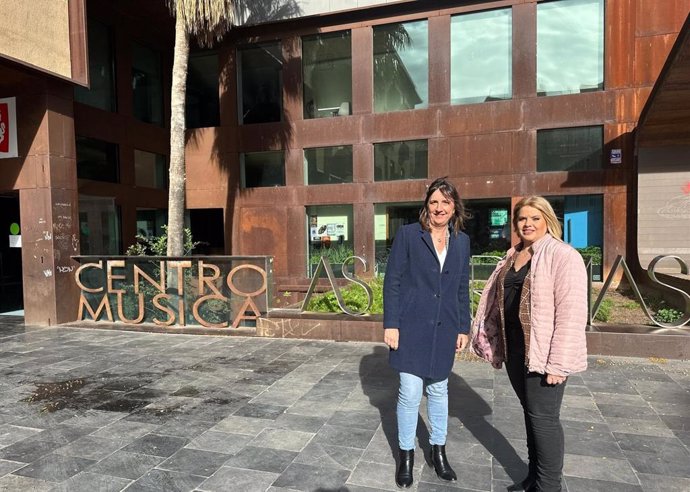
(541, 404)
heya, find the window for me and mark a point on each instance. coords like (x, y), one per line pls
(401, 66)
(147, 84)
(150, 170)
(101, 94)
(570, 46)
(490, 227)
(326, 165)
(330, 234)
(481, 47)
(400, 160)
(202, 105)
(99, 226)
(570, 149)
(150, 222)
(582, 218)
(97, 160)
(260, 83)
(263, 169)
(327, 75)
(388, 218)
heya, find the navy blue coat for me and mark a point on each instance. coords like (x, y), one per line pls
(428, 306)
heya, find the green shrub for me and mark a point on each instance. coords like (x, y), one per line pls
(354, 296)
(335, 254)
(591, 252)
(667, 315)
(604, 313)
(158, 245)
(488, 261)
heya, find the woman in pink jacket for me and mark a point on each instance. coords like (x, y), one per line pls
(532, 315)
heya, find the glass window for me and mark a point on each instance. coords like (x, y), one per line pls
(327, 75)
(570, 47)
(150, 222)
(481, 66)
(327, 165)
(490, 227)
(260, 83)
(263, 169)
(147, 84)
(570, 149)
(99, 226)
(330, 234)
(150, 170)
(101, 93)
(388, 218)
(582, 218)
(97, 160)
(202, 105)
(400, 160)
(401, 66)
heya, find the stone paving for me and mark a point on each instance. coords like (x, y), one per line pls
(106, 410)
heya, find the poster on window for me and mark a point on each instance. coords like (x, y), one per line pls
(8, 128)
(328, 228)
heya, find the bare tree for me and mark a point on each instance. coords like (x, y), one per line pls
(206, 21)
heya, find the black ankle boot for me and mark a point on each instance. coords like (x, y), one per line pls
(403, 477)
(440, 462)
(528, 485)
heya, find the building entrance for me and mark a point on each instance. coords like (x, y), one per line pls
(11, 297)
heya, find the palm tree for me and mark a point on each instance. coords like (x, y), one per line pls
(206, 21)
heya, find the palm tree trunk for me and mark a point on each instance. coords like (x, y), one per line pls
(176, 187)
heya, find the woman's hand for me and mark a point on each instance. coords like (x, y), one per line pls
(391, 337)
(462, 342)
(553, 379)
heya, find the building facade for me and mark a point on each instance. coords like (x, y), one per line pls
(315, 127)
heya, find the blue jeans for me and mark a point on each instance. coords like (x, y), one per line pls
(409, 397)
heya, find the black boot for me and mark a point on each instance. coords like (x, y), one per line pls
(528, 484)
(403, 477)
(440, 462)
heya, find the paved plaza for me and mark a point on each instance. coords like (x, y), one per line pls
(108, 410)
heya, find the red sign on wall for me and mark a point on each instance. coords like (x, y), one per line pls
(8, 128)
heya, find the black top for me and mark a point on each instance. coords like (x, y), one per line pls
(512, 285)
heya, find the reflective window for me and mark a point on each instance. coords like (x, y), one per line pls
(328, 165)
(388, 218)
(150, 221)
(99, 226)
(97, 160)
(202, 105)
(481, 66)
(570, 149)
(260, 83)
(150, 170)
(330, 234)
(327, 75)
(262, 169)
(101, 93)
(582, 218)
(400, 160)
(570, 46)
(147, 84)
(401, 66)
(490, 227)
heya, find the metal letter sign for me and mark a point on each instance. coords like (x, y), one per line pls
(652, 275)
(324, 264)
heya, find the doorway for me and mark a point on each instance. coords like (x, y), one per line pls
(11, 295)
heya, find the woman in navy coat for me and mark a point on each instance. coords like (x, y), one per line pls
(426, 319)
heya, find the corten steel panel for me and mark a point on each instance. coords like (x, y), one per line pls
(325, 132)
(439, 60)
(363, 163)
(263, 233)
(468, 119)
(362, 70)
(524, 151)
(615, 221)
(395, 191)
(363, 241)
(333, 194)
(206, 176)
(439, 161)
(294, 167)
(78, 41)
(401, 125)
(650, 54)
(227, 86)
(565, 111)
(657, 17)
(619, 46)
(488, 154)
(212, 141)
(296, 241)
(625, 105)
(525, 58)
(292, 78)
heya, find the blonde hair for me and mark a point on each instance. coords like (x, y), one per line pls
(553, 226)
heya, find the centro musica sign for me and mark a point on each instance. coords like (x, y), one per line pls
(214, 292)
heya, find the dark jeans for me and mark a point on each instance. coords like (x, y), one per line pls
(541, 404)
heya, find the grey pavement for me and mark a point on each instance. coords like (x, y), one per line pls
(107, 410)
